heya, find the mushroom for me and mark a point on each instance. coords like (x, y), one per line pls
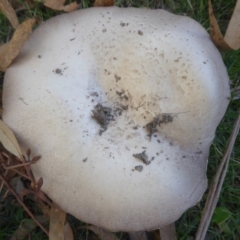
(122, 105)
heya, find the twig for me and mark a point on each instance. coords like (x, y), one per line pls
(35, 185)
(16, 165)
(28, 167)
(13, 167)
(217, 183)
(22, 203)
(21, 174)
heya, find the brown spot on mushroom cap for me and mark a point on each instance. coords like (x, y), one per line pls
(139, 168)
(153, 83)
(143, 157)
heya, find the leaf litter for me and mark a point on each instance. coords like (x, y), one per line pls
(231, 40)
(57, 222)
(8, 11)
(59, 5)
(9, 141)
(103, 3)
(10, 50)
(232, 36)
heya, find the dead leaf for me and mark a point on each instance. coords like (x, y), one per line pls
(67, 230)
(10, 50)
(102, 234)
(231, 41)
(168, 232)
(59, 5)
(9, 141)
(215, 32)
(103, 3)
(68, 233)
(8, 11)
(232, 36)
(57, 222)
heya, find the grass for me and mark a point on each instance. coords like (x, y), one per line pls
(226, 221)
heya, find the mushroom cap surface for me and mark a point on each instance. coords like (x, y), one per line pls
(122, 105)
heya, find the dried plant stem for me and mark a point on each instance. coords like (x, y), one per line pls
(217, 183)
(16, 165)
(22, 203)
(21, 174)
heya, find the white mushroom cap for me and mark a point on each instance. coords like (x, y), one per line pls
(141, 64)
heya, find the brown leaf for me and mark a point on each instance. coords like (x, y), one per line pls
(10, 50)
(68, 233)
(35, 159)
(232, 36)
(102, 234)
(59, 5)
(39, 183)
(215, 32)
(103, 3)
(57, 222)
(9, 141)
(28, 152)
(8, 11)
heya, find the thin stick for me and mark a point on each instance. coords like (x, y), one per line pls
(217, 183)
(21, 174)
(16, 165)
(22, 203)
